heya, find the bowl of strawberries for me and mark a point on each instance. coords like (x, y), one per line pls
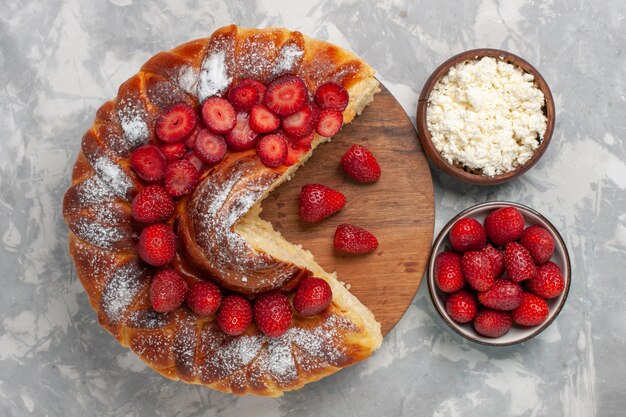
(499, 273)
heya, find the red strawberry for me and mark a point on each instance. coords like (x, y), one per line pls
(173, 151)
(302, 122)
(492, 323)
(209, 147)
(152, 204)
(195, 160)
(148, 162)
(157, 244)
(286, 95)
(496, 257)
(273, 314)
(504, 225)
(272, 150)
(467, 234)
(354, 239)
(518, 262)
(539, 243)
(332, 96)
(548, 282)
(301, 143)
(312, 296)
(532, 310)
(218, 115)
(234, 315)
(318, 202)
(448, 275)
(167, 291)
(204, 298)
(176, 124)
(242, 137)
(243, 95)
(503, 295)
(181, 178)
(360, 165)
(477, 270)
(262, 120)
(461, 306)
(191, 140)
(329, 123)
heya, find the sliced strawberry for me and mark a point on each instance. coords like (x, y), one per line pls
(272, 150)
(360, 165)
(243, 95)
(181, 178)
(167, 291)
(286, 95)
(354, 239)
(332, 96)
(148, 162)
(173, 151)
(157, 244)
(262, 120)
(303, 142)
(260, 87)
(218, 115)
(176, 123)
(191, 140)
(329, 123)
(195, 160)
(318, 202)
(312, 296)
(209, 147)
(302, 122)
(152, 204)
(242, 137)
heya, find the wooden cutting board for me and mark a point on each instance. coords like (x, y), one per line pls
(398, 209)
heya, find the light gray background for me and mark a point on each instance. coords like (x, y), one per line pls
(60, 60)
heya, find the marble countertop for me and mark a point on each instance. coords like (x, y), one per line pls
(59, 60)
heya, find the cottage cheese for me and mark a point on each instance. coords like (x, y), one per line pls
(486, 115)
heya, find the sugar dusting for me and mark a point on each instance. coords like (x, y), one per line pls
(289, 56)
(112, 175)
(213, 75)
(188, 79)
(132, 118)
(121, 289)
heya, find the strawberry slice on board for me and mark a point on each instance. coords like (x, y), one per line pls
(286, 95)
(332, 96)
(329, 123)
(272, 150)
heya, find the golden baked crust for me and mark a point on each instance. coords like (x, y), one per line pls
(103, 236)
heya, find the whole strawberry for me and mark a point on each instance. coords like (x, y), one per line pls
(461, 306)
(518, 263)
(492, 323)
(167, 291)
(477, 270)
(157, 244)
(152, 204)
(354, 239)
(497, 259)
(318, 202)
(532, 310)
(503, 295)
(448, 274)
(539, 243)
(548, 282)
(273, 314)
(360, 165)
(234, 315)
(312, 297)
(467, 234)
(504, 225)
(204, 298)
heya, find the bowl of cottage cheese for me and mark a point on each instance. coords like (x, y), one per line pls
(485, 116)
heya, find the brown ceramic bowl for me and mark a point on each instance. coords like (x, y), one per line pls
(457, 171)
(517, 334)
